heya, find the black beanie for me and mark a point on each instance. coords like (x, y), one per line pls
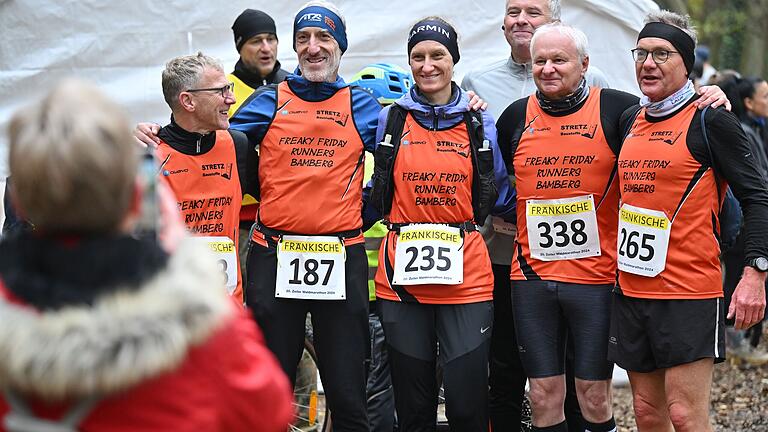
(250, 23)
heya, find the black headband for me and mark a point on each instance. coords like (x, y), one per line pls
(679, 39)
(437, 31)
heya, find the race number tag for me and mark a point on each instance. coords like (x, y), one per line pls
(311, 268)
(562, 229)
(503, 227)
(429, 254)
(225, 253)
(643, 240)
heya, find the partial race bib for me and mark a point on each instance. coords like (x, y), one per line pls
(562, 229)
(311, 268)
(643, 240)
(429, 254)
(503, 227)
(225, 252)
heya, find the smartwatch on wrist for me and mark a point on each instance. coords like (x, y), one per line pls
(760, 264)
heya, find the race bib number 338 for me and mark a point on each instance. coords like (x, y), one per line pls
(562, 229)
(311, 268)
(429, 254)
(643, 240)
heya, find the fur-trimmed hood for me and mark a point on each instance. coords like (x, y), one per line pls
(124, 338)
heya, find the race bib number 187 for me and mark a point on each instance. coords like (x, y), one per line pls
(643, 240)
(429, 254)
(311, 268)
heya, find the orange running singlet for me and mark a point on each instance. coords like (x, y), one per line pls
(658, 172)
(311, 166)
(207, 189)
(557, 159)
(433, 184)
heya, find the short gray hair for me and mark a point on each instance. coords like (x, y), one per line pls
(326, 4)
(73, 161)
(683, 22)
(183, 73)
(577, 36)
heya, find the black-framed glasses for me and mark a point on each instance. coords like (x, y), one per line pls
(659, 56)
(223, 91)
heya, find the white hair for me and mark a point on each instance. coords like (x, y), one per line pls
(577, 36)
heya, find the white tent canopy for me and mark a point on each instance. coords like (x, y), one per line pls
(123, 45)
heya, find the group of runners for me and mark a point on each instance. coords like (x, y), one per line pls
(600, 212)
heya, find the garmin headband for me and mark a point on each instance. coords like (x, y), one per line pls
(437, 31)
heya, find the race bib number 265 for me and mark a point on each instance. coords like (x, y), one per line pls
(643, 240)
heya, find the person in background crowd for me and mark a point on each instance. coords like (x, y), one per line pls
(701, 56)
(103, 331)
(256, 41)
(744, 92)
(437, 163)
(667, 318)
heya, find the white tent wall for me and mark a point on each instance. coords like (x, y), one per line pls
(122, 45)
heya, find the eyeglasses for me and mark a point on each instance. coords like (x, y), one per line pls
(224, 91)
(659, 56)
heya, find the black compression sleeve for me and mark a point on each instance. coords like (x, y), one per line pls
(613, 103)
(734, 161)
(509, 128)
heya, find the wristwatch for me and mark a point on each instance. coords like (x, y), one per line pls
(760, 264)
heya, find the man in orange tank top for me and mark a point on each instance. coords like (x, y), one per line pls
(562, 144)
(307, 251)
(202, 162)
(667, 318)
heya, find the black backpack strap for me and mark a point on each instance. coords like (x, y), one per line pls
(384, 160)
(484, 190)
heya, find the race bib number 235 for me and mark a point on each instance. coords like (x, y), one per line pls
(429, 254)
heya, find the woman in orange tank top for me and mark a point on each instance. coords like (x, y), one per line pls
(434, 280)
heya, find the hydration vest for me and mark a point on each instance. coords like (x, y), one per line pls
(484, 190)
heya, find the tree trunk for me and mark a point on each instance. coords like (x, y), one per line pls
(753, 59)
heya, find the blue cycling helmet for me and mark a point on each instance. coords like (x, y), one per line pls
(386, 82)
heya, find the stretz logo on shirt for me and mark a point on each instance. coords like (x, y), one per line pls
(217, 169)
(578, 129)
(667, 137)
(334, 116)
(448, 146)
(314, 17)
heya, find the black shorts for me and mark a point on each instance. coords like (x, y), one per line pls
(650, 334)
(548, 312)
